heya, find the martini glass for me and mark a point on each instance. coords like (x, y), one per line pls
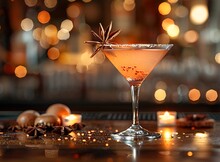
(135, 62)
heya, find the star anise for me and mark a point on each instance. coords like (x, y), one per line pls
(104, 37)
(47, 128)
(35, 131)
(62, 130)
(77, 126)
(14, 128)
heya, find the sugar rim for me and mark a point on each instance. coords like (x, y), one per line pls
(148, 46)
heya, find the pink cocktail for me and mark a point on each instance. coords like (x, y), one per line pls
(135, 62)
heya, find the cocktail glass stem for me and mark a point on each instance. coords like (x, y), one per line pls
(135, 131)
(135, 91)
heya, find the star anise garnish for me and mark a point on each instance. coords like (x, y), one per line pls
(77, 126)
(35, 131)
(62, 130)
(14, 128)
(46, 127)
(104, 37)
(65, 130)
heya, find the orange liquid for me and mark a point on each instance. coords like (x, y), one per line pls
(135, 64)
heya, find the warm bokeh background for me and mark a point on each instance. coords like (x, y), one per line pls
(43, 58)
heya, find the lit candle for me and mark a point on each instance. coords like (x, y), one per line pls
(166, 118)
(72, 119)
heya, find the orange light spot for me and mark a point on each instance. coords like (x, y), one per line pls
(189, 153)
(53, 53)
(166, 23)
(191, 36)
(164, 8)
(194, 94)
(160, 95)
(211, 95)
(20, 71)
(43, 17)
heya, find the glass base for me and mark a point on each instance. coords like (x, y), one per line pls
(135, 132)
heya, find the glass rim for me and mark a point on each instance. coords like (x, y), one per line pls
(136, 45)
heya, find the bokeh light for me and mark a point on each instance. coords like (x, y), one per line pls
(194, 94)
(191, 36)
(172, 1)
(20, 71)
(85, 59)
(63, 34)
(27, 24)
(37, 34)
(129, 5)
(43, 41)
(50, 34)
(211, 95)
(50, 30)
(217, 57)
(30, 3)
(52, 40)
(164, 8)
(181, 11)
(160, 95)
(73, 11)
(173, 30)
(189, 153)
(166, 23)
(43, 17)
(199, 14)
(53, 53)
(50, 3)
(67, 24)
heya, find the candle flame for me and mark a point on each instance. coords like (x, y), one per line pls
(71, 117)
(166, 113)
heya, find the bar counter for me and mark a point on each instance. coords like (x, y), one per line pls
(94, 143)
